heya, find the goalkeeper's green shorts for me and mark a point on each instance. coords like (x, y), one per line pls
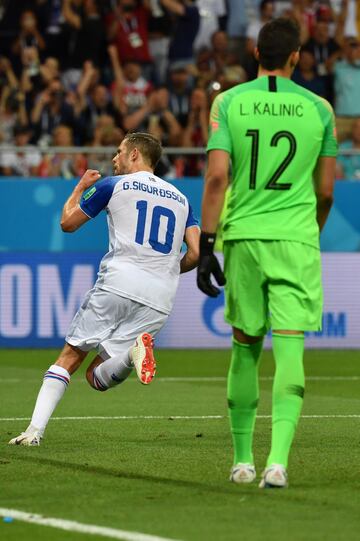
(272, 284)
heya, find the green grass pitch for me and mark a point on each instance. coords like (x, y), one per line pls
(169, 477)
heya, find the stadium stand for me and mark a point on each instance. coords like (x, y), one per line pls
(84, 72)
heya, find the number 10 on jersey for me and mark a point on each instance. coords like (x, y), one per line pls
(157, 213)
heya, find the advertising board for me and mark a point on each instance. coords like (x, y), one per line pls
(40, 292)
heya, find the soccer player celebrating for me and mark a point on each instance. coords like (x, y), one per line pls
(282, 145)
(148, 221)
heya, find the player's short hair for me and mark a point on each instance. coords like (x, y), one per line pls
(148, 146)
(277, 40)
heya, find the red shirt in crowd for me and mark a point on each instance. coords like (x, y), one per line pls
(131, 37)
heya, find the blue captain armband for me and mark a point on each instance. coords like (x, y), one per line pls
(96, 198)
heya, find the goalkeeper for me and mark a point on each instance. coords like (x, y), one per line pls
(282, 144)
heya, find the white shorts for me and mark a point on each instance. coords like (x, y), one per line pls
(110, 323)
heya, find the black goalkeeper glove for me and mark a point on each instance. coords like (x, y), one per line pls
(209, 265)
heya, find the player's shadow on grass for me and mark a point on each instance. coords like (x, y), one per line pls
(119, 474)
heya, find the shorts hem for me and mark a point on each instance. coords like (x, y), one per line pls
(292, 327)
(247, 330)
(80, 345)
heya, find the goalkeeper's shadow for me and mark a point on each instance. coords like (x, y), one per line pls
(116, 473)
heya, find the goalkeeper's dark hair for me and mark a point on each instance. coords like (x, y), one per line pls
(148, 146)
(277, 40)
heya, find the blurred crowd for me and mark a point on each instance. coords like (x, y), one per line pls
(84, 72)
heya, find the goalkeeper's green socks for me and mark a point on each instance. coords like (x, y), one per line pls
(243, 396)
(288, 392)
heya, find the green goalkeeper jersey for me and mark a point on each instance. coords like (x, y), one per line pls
(274, 131)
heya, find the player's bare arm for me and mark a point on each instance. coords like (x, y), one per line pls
(324, 177)
(216, 183)
(72, 216)
(191, 258)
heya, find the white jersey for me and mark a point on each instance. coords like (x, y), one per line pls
(147, 218)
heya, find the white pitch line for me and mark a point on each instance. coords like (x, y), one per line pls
(122, 418)
(72, 526)
(172, 417)
(191, 379)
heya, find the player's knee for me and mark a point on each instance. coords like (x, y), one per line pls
(94, 381)
(243, 338)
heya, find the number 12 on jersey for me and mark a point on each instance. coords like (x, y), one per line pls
(157, 213)
(272, 184)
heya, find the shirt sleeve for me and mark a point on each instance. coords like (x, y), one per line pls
(329, 145)
(96, 198)
(191, 220)
(219, 134)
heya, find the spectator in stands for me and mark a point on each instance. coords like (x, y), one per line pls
(32, 83)
(9, 26)
(18, 162)
(211, 12)
(84, 37)
(50, 69)
(348, 167)
(232, 73)
(90, 78)
(162, 124)
(305, 74)
(156, 118)
(136, 88)
(128, 31)
(326, 51)
(304, 12)
(185, 31)
(180, 86)
(265, 14)
(31, 70)
(347, 84)
(7, 75)
(205, 68)
(51, 16)
(240, 12)
(323, 47)
(29, 41)
(228, 70)
(12, 102)
(12, 113)
(220, 50)
(195, 133)
(99, 103)
(106, 133)
(130, 89)
(62, 164)
(50, 110)
(160, 28)
(352, 19)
